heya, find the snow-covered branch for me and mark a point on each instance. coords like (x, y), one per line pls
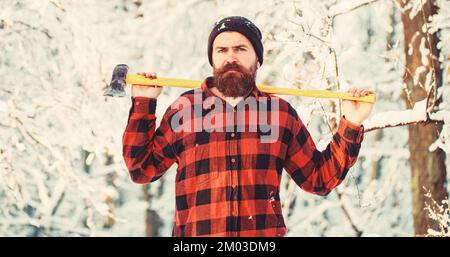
(348, 6)
(347, 215)
(383, 120)
(417, 115)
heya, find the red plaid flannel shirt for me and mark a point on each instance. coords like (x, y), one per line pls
(228, 183)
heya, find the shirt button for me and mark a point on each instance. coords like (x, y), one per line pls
(137, 103)
(232, 134)
(233, 160)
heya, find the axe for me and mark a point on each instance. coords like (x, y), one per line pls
(120, 78)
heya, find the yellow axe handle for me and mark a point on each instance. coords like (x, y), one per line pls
(136, 79)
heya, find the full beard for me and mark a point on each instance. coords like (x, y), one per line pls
(235, 83)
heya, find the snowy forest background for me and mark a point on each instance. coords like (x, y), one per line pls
(61, 169)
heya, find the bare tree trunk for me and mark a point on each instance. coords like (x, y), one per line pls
(152, 219)
(427, 168)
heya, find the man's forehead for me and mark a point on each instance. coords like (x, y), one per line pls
(231, 39)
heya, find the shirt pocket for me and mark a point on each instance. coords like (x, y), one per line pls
(200, 163)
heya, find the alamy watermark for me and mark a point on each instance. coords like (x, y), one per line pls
(260, 115)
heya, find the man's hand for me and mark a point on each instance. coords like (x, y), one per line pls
(146, 91)
(356, 111)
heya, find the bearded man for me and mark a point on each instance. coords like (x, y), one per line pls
(228, 179)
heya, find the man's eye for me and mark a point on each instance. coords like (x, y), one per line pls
(220, 50)
(242, 49)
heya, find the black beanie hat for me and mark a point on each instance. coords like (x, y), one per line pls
(241, 25)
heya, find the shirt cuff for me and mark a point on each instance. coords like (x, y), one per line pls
(144, 104)
(350, 131)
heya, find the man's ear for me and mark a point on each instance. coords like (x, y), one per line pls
(258, 65)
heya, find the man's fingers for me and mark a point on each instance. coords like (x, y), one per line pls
(150, 75)
(358, 92)
(366, 92)
(351, 91)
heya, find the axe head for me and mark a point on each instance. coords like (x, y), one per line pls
(118, 81)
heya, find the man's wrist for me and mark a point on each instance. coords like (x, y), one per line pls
(350, 132)
(351, 120)
(144, 104)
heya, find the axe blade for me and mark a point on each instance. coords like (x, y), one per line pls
(118, 81)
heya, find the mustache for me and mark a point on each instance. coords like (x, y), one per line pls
(232, 66)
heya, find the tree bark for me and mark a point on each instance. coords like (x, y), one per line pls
(427, 167)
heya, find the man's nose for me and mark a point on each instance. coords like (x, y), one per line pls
(231, 57)
(231, 62)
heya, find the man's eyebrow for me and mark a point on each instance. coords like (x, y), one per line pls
(232, 46)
